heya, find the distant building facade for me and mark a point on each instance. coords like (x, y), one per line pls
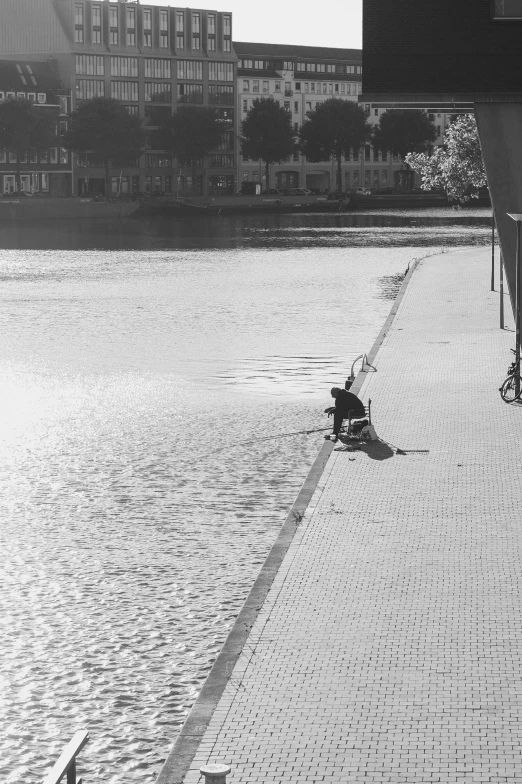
(152, 59)
(45, 171)
(300, 77)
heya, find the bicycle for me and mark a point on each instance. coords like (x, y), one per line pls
(508, 389)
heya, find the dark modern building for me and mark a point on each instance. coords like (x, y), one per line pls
(456, 56)
(45, 171)
(151, 58)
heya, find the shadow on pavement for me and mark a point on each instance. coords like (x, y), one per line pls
(376, 450)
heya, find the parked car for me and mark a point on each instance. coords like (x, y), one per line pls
(299, 192)
(363, 192)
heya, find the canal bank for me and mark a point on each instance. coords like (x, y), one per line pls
(386, 646)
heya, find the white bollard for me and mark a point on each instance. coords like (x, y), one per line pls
(215, 774)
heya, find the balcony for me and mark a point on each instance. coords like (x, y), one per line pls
(289, 93)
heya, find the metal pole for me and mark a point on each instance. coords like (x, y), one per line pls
(518, 292)
(493, 253)
(501, 291)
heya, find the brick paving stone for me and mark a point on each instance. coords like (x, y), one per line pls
(388, 648)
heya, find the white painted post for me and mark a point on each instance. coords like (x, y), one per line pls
(215, 774)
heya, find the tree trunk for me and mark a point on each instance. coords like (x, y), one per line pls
(18, 181)
(267, 177)
(107, 179)
(339, 175)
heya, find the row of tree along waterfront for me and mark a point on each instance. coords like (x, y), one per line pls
(335, 128)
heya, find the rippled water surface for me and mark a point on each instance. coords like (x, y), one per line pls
(141, 363)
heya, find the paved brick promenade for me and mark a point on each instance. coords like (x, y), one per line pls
(390, 646)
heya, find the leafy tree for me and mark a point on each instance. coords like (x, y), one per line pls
(331, 130)
(267, 133)
(403, 131)
(190, 134)
(104, 127)
(458, 166)
(22, 126)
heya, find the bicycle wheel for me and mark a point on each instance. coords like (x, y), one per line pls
(507, 390)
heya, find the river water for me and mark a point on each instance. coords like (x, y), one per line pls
(141, 366)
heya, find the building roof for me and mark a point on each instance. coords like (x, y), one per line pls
(31, 27)
(29, 76)
(244, 48)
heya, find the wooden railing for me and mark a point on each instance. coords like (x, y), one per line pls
(66, 763)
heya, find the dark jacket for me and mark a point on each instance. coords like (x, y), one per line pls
(347, 401)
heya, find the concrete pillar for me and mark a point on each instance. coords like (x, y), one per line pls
(500, 131)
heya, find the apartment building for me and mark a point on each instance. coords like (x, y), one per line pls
(152, 59)
(300, 77)
(45, 171)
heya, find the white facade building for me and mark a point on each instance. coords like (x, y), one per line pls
(300, 77)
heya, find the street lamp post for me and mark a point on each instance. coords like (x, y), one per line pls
(517, 217)
(493, 253)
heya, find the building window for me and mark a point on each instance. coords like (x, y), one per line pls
(124, 66)
(164, 29)
(507, 9)
(221, 161)
(336, 88)
(296, 107)
(310, 67)
(89, 65)
(227, 32)
(255, 86)
(219, 94)
(125, 91)
(113, 25)
(78, 23)
(53, 155)
(190, 69)
(312, 87)
(222, 72)
(375, 154)
(245, 105)
(157, 161)
(190, 93)
(211, 32)
(298, 87)
(287, 106)
(277, 87)
(246, 86)
(180, 29)
(265, 87)
(158, 92)
(64, 156)
(147, 27)
(89, 88)
(367, 153)
(289, 66)
(196, 41)
(130, 16)
(158, 69)
(247, 63)
(96, 24)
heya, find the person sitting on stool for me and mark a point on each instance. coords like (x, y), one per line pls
(345, 402)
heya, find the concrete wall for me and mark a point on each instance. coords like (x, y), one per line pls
(439, 47)
(500, 130)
